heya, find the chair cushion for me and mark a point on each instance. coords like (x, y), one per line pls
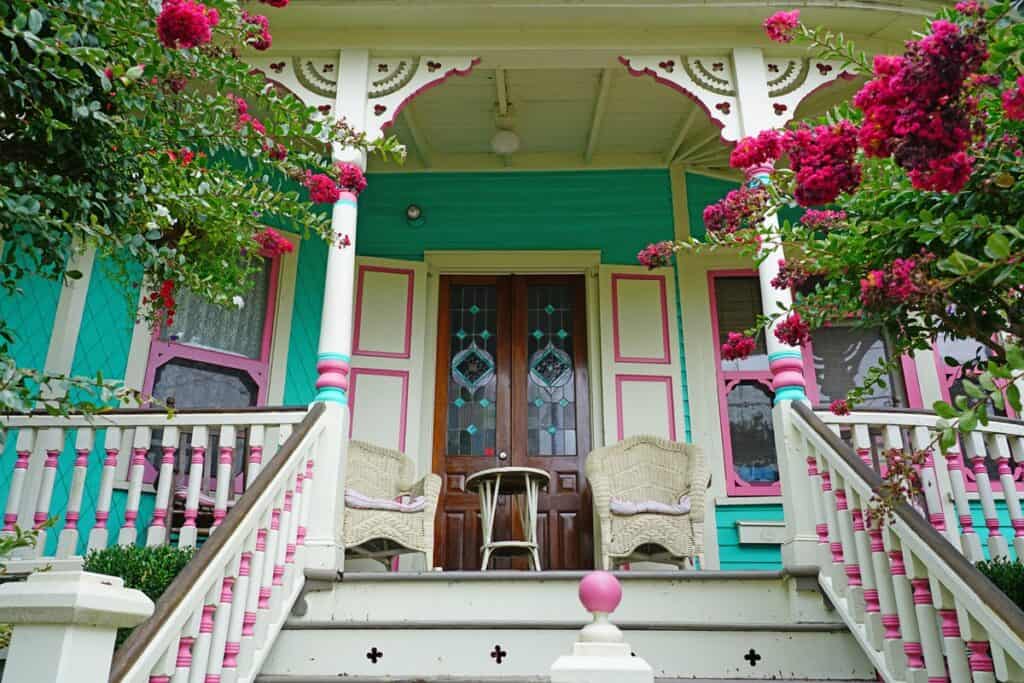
(627, 508)
(204, 500)
(359, 501)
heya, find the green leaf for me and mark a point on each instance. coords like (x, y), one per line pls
(35, 20)
(973, 390)
(1015, 356)
(997, 247)
(968, 421)
(943, 409)
(947, 439)
(1013, 397)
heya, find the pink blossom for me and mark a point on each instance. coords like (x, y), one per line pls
(272, 241)
(276, 3)
(656, 255)
(790, 276)
(259, 38)
(764, 148)
(322, 188)
(970, 8)
(947, 174)
(816, 219)
(792, 330)
(899, 283)
(351, 178)
(277, 152)
(738, 210)
(1013, 101)
(184, 24)
(839, 407)
(738, 346)
(781, 26)
(823, 159)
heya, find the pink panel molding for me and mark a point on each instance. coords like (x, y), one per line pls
(651, 379)
(357, 349)
(403, 410)
(666, 354)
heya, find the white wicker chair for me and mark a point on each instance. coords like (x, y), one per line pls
(383, 534)
(647, 468)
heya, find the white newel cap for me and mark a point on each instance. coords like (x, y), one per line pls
(73, 597)
(600, 655)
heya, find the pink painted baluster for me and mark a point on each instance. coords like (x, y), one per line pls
(980, 661)
(821, 526)
(999, 447)
(273, 570)
(836, 570)
(140, 447)
(892, 643)
(99, 536)
(163, 672)
(183, 663)
(188, 534)
(855, 588)
(204, 640)
(974, 444)
(862, 444)
(16, 492)
(952, 636)
(304, 488)
(872, 610)
(905, 608)
(257, 434)
(233, 645)
(54, 444)
(225, 459)
(928, 626)
(255, 593)
(68, 543)
(969, 540)
(921, 439)
(221, 622)
(158, 529)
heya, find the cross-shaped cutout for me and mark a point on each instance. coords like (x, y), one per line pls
(498, 654)
(752, 657)
(374, 654)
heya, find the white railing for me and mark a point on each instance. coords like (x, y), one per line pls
(919, 608)
(138, 476)
(986, 466)
(218, 619)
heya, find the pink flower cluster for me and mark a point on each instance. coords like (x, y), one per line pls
(917, 110)
(839, 407)
(738, 210)
(764, 148)
(1013, 101)
(273, 242)
(793, 330)
(184, 24)
(738, 346)
(322, 188)
(896, 284)
(816, 219)
(823, 160)
(351, 178)
(970, 8)
(277, 151)
(781, 26)
(790, 276)
(244, 117)
(259, 34)
(656, 255)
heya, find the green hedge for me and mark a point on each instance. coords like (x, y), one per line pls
(1008, 576)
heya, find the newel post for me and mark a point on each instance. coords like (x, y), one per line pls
(324, 548)
(799, 547)
(65, 623)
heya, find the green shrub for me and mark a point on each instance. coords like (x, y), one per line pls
(150, 569)
(1008, 576)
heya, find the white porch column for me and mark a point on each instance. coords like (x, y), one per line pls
(785, 361)
(323, 541)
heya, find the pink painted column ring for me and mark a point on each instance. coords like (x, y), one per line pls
(333, 373)
(600, 592)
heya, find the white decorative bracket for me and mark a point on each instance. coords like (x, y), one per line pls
(392, 82)
(710, 81)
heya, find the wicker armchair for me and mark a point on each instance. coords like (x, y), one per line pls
(647, 468)
(383, 534)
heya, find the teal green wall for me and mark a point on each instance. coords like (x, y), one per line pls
(618, 212)
(301, 376)
(734, 556)
(702, 190)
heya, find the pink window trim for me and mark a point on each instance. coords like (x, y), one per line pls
(404, 409)
(907, 366)
(406, 351)
(666, 357)
(162, 352)
(725, 380)
(653, 379)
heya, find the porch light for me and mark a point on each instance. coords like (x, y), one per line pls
(505, 142)
(414, 215)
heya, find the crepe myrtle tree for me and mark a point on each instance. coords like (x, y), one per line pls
(913, 196)
(136, 128)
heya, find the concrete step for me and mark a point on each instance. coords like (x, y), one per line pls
(511, 626)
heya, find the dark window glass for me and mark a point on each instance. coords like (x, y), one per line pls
(737, 305)
(751, 433)
(842, 357)
(472, 382)
(551, 392)
(194, 384)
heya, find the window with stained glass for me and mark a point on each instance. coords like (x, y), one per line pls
(472, 379)
(551, 393)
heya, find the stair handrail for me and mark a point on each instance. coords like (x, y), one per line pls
(169, 640)
(911, 598)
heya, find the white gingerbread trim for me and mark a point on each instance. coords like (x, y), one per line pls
(393, 82)
(792, 80)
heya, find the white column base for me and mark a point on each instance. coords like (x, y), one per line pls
(601, 663)
(65, 624)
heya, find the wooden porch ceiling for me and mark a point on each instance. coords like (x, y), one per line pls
(566, 119)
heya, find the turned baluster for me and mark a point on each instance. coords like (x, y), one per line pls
(922, 441)
(905, 609)
(53, 440)
(269, 596)
(204, 639)
(304, 488)
(221, 622)
(872, 610)
(969, 540)
(158, 530)
(257, 435)
(225, 460)
(979, 650)
(23, 447)
(974, 445)
(163, 672)
(67, 545)
(187, 536)
(927, 620)
(892, 643)
(99, 535)
(855, 588)
(233, 644)
(999, 447)
(837, 570)
(952, 639)
(255, 594)
(186, 643)
(136, 471)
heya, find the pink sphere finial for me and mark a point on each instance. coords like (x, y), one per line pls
(600, 592)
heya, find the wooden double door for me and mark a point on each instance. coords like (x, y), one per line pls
(513, 390)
